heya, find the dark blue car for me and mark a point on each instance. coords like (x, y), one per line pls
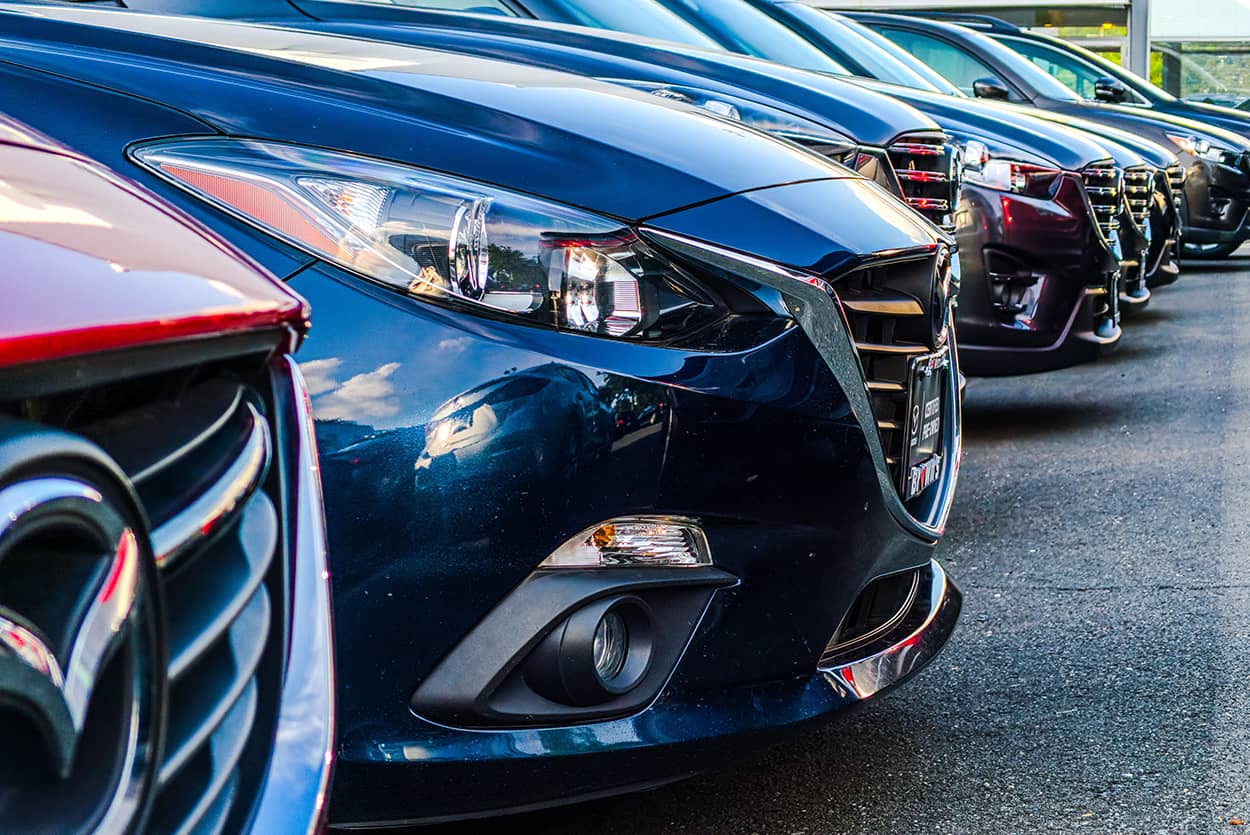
(639, 426)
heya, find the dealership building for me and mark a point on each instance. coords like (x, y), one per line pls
(1190, 47)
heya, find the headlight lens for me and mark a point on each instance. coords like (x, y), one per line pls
(1204, 148)
(1017, 177)
(438, 237)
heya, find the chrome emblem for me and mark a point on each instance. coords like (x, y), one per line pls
(57, 639)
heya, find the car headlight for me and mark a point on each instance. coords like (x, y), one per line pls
(813, 135)
(1200, 147)
(1015, 176)
(442, 238)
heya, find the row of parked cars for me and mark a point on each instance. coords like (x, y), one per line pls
(633, 393)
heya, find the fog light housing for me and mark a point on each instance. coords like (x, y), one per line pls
(599, 652)
(635, 542)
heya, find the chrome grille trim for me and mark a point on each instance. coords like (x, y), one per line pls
(1103, 187)
(1176, 180)
(927, 169)
(200, 460)
(216, 505)
(1138, 188)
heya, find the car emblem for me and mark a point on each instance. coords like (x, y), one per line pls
(941, 302)
(78, 627)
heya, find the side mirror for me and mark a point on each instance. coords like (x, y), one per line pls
(1110, 90)
(990, 88)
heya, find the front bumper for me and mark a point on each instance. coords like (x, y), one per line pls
(773, 448)
(1217, 202)
(684, 732)
(1040, 283)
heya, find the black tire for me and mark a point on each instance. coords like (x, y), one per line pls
(1209, 252)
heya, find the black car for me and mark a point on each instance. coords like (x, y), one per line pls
(1216, 163)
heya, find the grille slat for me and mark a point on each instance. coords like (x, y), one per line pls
(215, 507)
(210, 595)
(213, 819)
(214, 776)
(201, 702)
(1138, 187)
(925, 165)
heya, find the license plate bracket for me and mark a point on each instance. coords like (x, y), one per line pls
(922, 429)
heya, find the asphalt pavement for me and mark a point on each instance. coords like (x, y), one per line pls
(1097, 681)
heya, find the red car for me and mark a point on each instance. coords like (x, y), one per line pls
(165, 660)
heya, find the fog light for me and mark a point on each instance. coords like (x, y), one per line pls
(633, 542)
(599, 652)
(610, 645)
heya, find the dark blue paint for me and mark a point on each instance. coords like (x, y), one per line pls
(865, 116)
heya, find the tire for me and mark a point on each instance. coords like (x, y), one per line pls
(1209, 252)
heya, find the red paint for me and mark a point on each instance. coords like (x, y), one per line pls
(94, 263)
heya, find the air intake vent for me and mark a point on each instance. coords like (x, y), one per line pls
(927, 171)
(1138, 188)
(1102, 184)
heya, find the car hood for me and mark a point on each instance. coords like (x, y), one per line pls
(1226, 118)
(1152, 124)
(865, 116)
(601, 147)
(92, 263)
(1007, 131)
(1117, 140)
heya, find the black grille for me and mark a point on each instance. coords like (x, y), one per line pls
(888, 307)
(199, 460)
(1102, 185)
(925, 165)
(1138, 189)
(1176, 180)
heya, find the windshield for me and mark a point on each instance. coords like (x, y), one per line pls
(640, 17)
(881, 57)
(742, 27)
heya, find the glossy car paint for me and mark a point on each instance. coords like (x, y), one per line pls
(760, 429)
(871, 55)
(103, 279)
(118, 262)
(1217, 195)
(1064, 328)
(865, 118)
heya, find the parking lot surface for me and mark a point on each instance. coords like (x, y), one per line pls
(1098, 679)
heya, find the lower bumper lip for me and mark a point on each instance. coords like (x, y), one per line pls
(868, 676)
